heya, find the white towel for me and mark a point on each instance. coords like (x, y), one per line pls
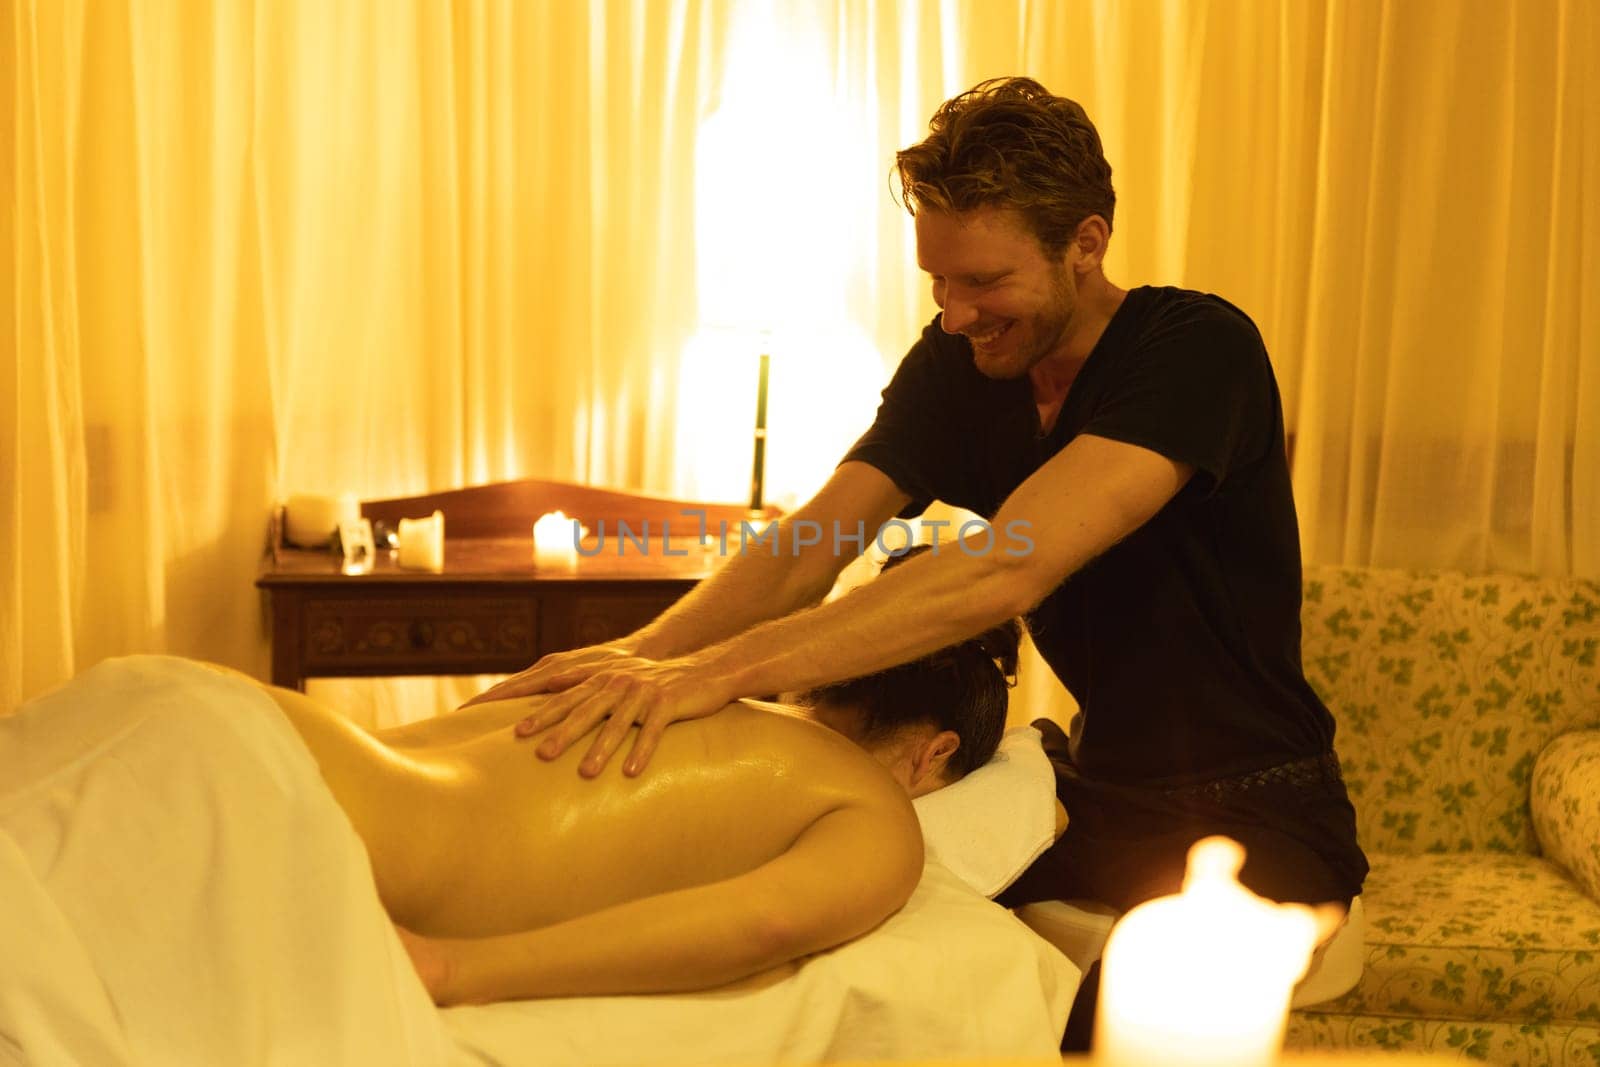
(989, 826)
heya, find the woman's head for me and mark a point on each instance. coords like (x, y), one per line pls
(936, 718)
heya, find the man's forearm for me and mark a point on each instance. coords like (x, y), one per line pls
(752, 586)
(923, 606)
(1097, 492)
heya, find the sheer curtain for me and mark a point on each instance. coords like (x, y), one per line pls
(260, 249)
(256, 249)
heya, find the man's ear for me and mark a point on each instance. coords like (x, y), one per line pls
(933, 756)
(1088, 248)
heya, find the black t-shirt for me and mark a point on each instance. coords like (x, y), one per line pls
(1181, 643)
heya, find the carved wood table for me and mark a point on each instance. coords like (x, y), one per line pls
(489, 610)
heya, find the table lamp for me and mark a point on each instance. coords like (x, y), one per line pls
(758, 471)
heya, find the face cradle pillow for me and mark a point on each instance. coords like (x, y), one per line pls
(989, 826)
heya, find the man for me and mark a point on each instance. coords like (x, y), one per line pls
(1137, 437)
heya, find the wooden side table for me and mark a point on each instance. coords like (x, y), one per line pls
(489, 610)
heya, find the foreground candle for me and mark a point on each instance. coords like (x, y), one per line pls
(1202, 979)
(555, 543)
(422, 543)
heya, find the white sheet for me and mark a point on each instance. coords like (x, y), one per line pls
(180, 887)
(950, 976)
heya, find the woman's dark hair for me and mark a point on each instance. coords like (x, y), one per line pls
(961, 688)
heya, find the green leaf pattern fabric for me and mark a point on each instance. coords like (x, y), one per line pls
(1446, 687)
(1468, 712)
(1566, 805)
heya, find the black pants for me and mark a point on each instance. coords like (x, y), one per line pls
(1123, 847)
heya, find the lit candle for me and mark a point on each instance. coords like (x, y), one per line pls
(1202, 979)
(555, 543)
(422, 543)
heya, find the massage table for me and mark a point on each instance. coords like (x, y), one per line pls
(178, 886)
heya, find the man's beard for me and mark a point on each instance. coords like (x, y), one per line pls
(1043, 334)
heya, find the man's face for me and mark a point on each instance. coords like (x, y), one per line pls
(996, 286)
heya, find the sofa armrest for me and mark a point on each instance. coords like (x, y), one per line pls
(1565, 799)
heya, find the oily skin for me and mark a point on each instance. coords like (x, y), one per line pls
(916, 755)
(722, 864)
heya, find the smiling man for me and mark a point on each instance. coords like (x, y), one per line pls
(1137, 436)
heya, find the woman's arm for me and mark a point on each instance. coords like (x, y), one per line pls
(845, 873)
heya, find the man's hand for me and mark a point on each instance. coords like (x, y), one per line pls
(557, 671)
(624, 691)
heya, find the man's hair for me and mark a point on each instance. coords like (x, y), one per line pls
(1007, 142)
(961, 688)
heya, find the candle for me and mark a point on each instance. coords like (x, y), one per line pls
(555, 543)
(422, 543)
(1202, 979)
(355, 538)
(310, 521)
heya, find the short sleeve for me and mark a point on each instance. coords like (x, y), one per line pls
(913, 439)
(1199, 391)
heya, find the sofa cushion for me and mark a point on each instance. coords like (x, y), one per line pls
(1566, 805)
(1445, 688)
(1544, 1044)
(1476, 936)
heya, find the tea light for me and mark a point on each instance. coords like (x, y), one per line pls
(1202, 979)
(422, 543)
(555, 543)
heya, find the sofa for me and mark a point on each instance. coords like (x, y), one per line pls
(1468, 713)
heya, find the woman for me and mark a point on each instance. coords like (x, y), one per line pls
(760, 835)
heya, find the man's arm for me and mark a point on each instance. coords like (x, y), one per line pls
(706, 936)
(749, 588)
(1088, 497)
(1091, 495)
(761, 584)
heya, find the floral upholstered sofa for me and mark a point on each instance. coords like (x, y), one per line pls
(1469, 732)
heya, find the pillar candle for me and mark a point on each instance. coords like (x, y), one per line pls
(422, 543)
(1202, 979)
(555, 543)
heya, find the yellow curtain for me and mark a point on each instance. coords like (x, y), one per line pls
(372, 247)
(255, 249)
(1402, 197)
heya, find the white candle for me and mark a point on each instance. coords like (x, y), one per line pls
(310, 521)
(555, 543)
(422, 543)
(1202, 979)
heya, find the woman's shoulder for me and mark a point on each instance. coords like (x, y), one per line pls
(817, 755)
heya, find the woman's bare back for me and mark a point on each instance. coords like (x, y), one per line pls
(472, 834)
